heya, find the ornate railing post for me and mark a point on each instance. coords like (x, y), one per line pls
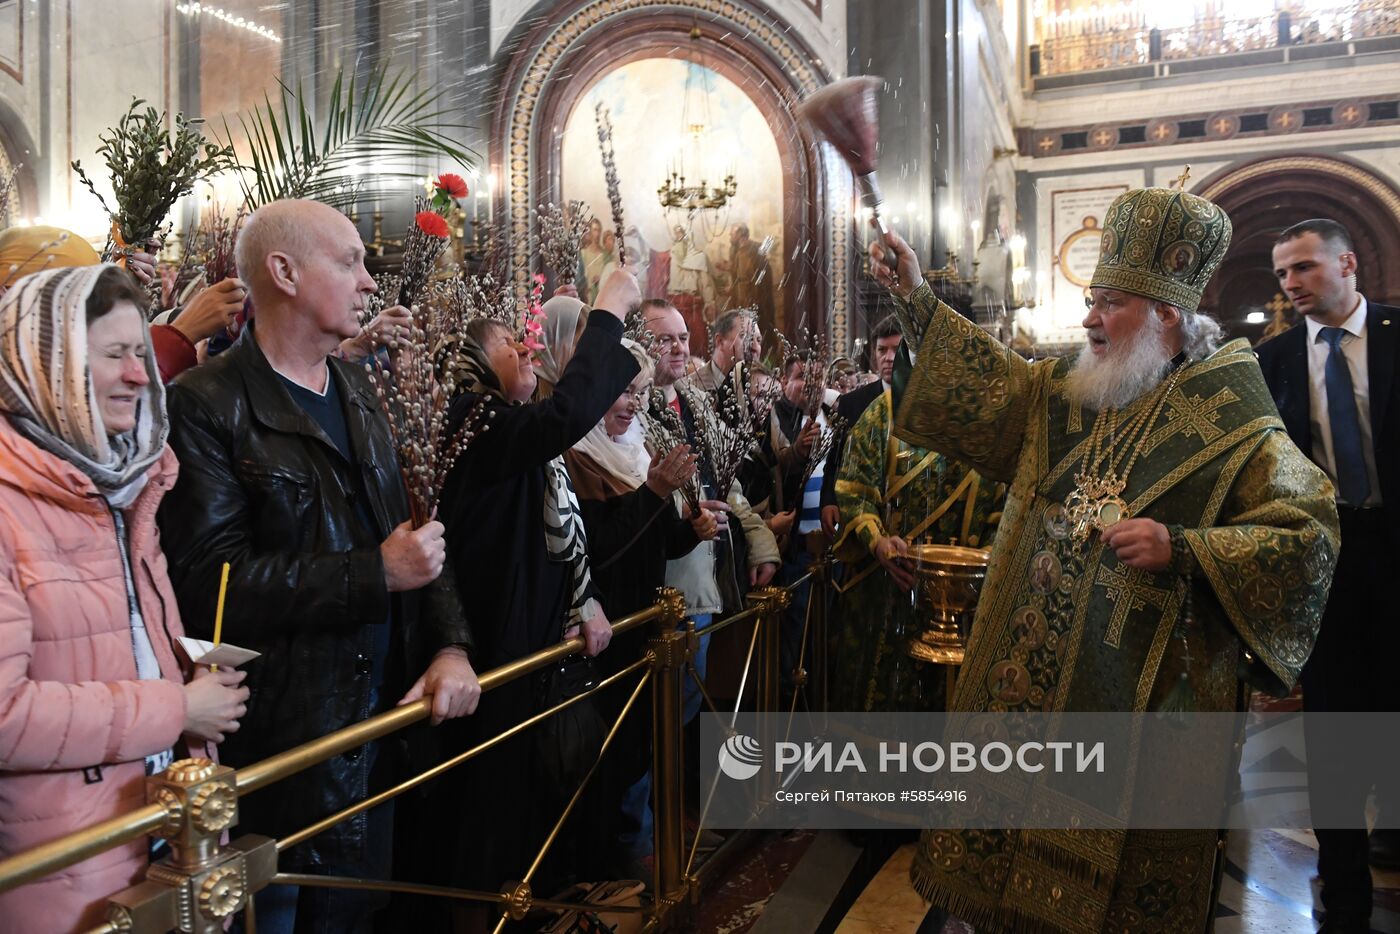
(774, 602)
(814, 673)
(671, 649)
(200, 884)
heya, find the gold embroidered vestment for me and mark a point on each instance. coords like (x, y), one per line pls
(1061, 627)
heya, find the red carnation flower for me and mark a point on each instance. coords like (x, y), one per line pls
(432, 224)
(452, 185)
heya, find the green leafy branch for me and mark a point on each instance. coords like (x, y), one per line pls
(151, 169)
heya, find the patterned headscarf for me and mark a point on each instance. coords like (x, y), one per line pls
(46, 385)
(471, 370)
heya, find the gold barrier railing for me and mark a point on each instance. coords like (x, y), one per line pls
(194, 802)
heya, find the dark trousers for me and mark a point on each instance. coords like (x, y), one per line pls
(1352, 669)
(289, 909)
(793, 630)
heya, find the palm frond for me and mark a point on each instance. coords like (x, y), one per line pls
(370, 121)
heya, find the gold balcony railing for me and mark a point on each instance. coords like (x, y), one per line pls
(194, 803)
(1093, 50)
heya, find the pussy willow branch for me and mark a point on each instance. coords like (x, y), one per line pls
(421, 251)
(416, 398)
(822, 447)
(723, 440)
(605, 147)
(562, 228)
(664, 431)
(815, 352)
(212, 243)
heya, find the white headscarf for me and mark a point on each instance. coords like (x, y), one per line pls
(46, 384)
(561, 314)
(625, 457)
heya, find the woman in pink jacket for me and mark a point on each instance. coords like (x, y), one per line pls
(92, 696)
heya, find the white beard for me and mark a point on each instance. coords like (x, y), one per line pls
(1121, 376)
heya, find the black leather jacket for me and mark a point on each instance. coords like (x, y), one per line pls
(263, 488)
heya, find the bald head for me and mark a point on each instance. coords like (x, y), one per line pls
(294, 228)
(304, 264)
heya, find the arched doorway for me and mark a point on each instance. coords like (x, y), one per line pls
(1266, 196)
(566, 54)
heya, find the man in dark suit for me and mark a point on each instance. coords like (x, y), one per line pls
(1332, 378)
(849, 407)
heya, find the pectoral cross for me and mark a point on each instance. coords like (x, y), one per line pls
(1129, 592)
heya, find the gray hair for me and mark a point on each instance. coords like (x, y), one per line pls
(1199, 331)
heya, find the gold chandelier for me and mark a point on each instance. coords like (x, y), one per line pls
(680, 192)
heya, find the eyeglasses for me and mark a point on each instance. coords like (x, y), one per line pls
(671, 340)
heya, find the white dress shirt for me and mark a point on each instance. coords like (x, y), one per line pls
(1354, 350)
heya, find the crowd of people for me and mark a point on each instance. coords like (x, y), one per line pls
(136, 465)
(139, 463)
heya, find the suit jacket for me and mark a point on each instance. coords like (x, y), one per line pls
(849, 407)
(1284, 360)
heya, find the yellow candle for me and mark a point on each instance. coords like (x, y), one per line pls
(219, 610)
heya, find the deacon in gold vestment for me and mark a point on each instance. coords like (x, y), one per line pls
(1163, 544)
(892, 495)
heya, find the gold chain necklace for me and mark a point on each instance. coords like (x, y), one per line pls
(1096, 502)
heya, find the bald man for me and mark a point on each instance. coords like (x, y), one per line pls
(288, 473)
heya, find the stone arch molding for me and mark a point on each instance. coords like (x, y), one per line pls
(1361, 177)
(16, 153)
(1265, 194)
(545, 56)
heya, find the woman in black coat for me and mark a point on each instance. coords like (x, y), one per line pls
(514, 536)
(634, 522)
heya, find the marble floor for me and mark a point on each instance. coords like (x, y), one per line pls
(1268, 887)
(889, 904)
(735, 903)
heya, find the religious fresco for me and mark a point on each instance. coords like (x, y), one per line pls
(697, 263)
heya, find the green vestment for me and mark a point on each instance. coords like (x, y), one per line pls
(886, 487)
(1061, 627)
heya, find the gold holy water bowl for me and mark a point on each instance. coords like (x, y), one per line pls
(949, 579)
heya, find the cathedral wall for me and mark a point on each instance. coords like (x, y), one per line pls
(66, 74)
(1080, 145)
